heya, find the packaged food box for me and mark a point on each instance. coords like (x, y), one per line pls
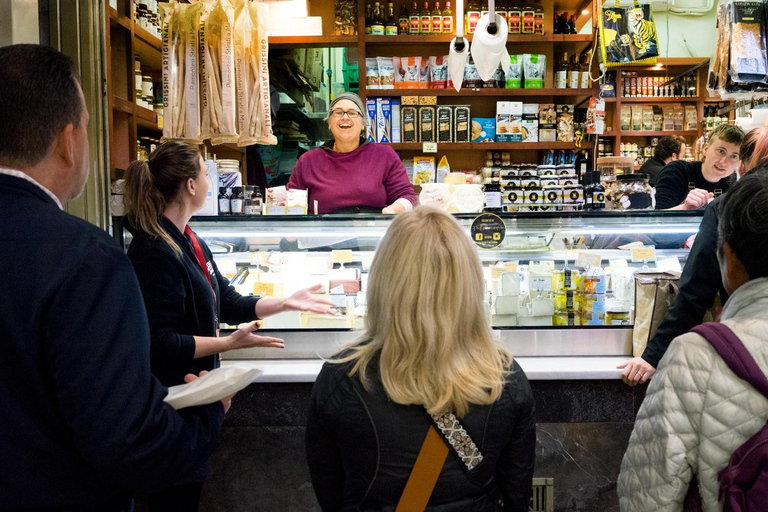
(427, 132)
(461, 123)
(444, 124)
(409, 123)
(423, 170)
(483, 129)
(509, 115)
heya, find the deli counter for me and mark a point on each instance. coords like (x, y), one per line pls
(560, 286)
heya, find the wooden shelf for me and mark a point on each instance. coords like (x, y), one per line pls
(122, 105)
(312, 41)
(116, 19)
(147, 119)
(145, 36)
(489, 146)
(684, 133)
(443, 38)
(464, 92)
(682, 99)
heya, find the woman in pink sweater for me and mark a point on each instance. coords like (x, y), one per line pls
(350, 174)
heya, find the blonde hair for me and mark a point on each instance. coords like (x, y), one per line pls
(427, 319)
(150, 185)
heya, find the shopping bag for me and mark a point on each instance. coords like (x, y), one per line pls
(628, 35)
(654, 293)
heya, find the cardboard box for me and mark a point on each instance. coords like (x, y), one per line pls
(509, 115)
(427, 131)
(395, 119)
(384, 120)
(547, 122)
(427, 100)
(409, 124)
(409, 100)
(565, 129)
(370, 106)
(483, 129)
(444, 123)
(461, 123)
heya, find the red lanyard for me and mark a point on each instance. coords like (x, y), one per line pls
(200, 259)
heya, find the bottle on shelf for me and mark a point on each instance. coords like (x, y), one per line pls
(448, 27)
(425, 16)
(484, 8)
(515, 17)
(572, 25)
(390, 24)
(574, 73)
(437, 19)
(502, 10)
(584, 81)
(414, 21)
(472, 16)
(377, 24)
(368, 19)
(138, 77)
(402, 20)
(538, 18)
(583, 164)
(561, 75)
(528, 14)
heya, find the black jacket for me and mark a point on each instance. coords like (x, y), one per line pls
(83, 420)
(699, 284)
(652, 167)
(678, 178)
(361, 447)
(179, 302)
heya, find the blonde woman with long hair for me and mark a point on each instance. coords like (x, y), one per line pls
(427, 348)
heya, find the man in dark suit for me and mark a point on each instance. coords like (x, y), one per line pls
(83, 420)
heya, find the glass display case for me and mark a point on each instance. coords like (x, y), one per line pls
(559, 284)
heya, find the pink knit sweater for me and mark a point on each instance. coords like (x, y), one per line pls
(372, 176)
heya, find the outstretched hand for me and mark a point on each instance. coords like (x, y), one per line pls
(305, 300)
(244, 337)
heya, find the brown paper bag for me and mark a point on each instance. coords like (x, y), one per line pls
(654, 293)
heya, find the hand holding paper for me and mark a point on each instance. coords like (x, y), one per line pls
(213, 386)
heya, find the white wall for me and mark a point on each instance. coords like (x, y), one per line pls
(18, 22)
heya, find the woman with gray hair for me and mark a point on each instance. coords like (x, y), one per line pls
(349, 173)
(697, 412)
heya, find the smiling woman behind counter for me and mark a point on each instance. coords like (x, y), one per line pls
(349, 174)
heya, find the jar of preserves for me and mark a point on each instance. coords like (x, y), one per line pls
(568, 301)
(617, 317)
(566, 279)
(633, 192)
(566, 318)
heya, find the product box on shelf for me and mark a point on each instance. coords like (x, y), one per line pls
(409, 124)
(547, 122)
(427, 114)
(444, 123)
(483, 129)
(384, 120)
(530, 122)
(423, 170)
(565, 130)
(461, 123)
(509, 115)
(370, 105)
(395, 102)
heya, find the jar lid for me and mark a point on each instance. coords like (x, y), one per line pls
(638, 176)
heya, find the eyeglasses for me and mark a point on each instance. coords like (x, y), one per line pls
(352, 114)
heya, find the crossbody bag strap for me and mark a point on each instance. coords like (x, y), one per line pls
(424, 474)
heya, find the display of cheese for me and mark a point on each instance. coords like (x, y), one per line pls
(464, 198)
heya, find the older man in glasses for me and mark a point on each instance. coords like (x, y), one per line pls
(349, 173)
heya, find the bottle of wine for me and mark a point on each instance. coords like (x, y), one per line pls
(437, 19)
(584, 70)
(426, 20)
(448, 27)
(390, 25)
(561, 75)
(368, 19)
(414, 22)
(377, 25)
(402, 20)
(574, 73)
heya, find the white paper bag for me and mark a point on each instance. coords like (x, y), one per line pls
(213, 386)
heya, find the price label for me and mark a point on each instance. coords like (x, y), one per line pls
(341, 256)
(669, 264)
(264, 289)
(640, 254)
(429, 147)
(620, 263)
(259, 258)
(587, 259)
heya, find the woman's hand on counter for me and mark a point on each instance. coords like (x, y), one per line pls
(393, 209)
(303, 300)
(636, 371)
(226, 401)
(244, 337)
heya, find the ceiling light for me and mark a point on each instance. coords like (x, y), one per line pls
(586, 11)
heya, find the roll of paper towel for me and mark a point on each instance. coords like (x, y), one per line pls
(489, 50)
(457, 61)
(759, 116)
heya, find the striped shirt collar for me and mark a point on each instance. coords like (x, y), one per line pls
(24, 176)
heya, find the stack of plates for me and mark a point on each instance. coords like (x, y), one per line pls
(228, 165)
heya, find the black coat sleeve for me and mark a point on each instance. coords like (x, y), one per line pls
(671, 187)
(514, 472)
(323, 452)
(699, 284)
(98, 357)
(161, 278)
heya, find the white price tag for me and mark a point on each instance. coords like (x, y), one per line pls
(429, 147)
(620, 263)
(587, 259)
(670, 264)
(641, 254)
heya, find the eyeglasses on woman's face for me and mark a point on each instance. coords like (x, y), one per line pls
(352, 114)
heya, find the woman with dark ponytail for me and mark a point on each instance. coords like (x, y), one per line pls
(184, 293)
